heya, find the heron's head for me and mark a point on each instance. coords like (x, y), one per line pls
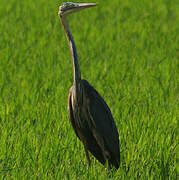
(69, 7)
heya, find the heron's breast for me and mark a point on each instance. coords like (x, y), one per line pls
(80, 110)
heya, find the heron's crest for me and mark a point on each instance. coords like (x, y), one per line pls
(66, 6)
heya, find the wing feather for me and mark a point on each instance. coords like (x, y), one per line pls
(103, 120)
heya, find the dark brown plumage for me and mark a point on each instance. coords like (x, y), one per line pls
(89, 114)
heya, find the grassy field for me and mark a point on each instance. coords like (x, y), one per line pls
(129, 51)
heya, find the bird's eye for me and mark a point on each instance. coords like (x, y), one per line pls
(66, 6)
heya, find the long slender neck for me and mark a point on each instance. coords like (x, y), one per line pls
(71, 43)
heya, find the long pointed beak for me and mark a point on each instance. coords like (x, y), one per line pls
(86, 5)
(80, 6)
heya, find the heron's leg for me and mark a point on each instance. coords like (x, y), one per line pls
(87, 156)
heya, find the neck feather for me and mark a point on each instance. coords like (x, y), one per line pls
(71, 43)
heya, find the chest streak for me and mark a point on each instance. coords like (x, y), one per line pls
(80, 108)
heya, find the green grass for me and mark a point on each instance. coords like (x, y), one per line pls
(129, 51)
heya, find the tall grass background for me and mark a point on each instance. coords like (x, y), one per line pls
(128, 50)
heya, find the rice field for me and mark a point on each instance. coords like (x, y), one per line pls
(128, 50)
